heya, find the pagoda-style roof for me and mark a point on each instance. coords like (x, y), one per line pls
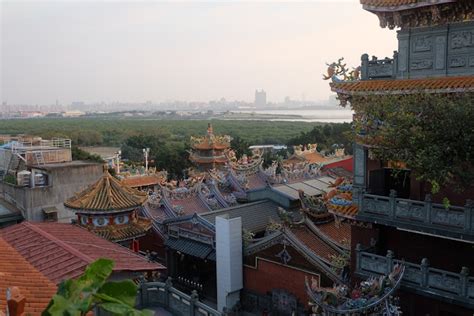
(210, 141)
(106, 195)
(404, 86)
(205, 159)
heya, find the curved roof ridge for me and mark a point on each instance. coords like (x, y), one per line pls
(106, 194)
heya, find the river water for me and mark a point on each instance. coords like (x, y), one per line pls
(304, 115)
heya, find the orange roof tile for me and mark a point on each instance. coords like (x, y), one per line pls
(61, 251)
(107, 194)
(433, 85)
(313, 242)
(16, 271)
(313, 157)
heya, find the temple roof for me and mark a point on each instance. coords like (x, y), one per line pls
(255, 216)
(142, 181)
(339, 233)
(107, 194)
(398, 5)
(61, 251)
(346, 211)
(210, 141)
(313, 242)
(131, 230)
(15, 271)
(403, 86)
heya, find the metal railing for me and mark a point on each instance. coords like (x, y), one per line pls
(453, 221)
(458, 287)
(23, 146)
(164, 295)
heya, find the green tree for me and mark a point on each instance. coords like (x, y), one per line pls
(432, 133)
(79, 154)
(77, 297)
(240, 146)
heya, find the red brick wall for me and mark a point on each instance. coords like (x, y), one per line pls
(153, 242)
(269, 276)
(347, 164)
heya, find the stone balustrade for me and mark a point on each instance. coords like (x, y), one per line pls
(423, 216)
(378, 68)
(164, 295)
(421, 278)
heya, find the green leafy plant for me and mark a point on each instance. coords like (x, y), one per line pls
(80, 296)
(9, 179)
(433, 134)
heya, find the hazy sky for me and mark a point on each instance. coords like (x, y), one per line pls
(194, 51)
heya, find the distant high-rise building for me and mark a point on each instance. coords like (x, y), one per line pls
(260, 98)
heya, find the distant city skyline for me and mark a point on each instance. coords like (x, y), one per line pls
(96, 51)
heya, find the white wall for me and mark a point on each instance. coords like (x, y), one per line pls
(228, 261)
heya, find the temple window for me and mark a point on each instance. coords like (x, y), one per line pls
(100, 221)
(121, 219)
(84, 220)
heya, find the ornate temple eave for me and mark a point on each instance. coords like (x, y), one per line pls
(117, 233)
(207, 146)
(402, 5)
(204, 160)
(440, 85)
(101, 212)
(409, 13)
(376, 303)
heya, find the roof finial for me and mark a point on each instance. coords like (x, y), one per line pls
(209, 129)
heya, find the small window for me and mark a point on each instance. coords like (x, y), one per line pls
(121, 219)
(173, 232)
(50, 214)
(84, 220)
(100, 221)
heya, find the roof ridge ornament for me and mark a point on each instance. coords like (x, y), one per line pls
(338, 69)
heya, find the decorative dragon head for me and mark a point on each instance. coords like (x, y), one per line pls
(338, 71)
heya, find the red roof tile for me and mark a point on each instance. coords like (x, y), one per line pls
(16, 271)
(340, 234)
(62, 251)
(255, 182)
(313, 242)
(433, 85)
(190, 205)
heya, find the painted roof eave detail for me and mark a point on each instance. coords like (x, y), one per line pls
(404, 7)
